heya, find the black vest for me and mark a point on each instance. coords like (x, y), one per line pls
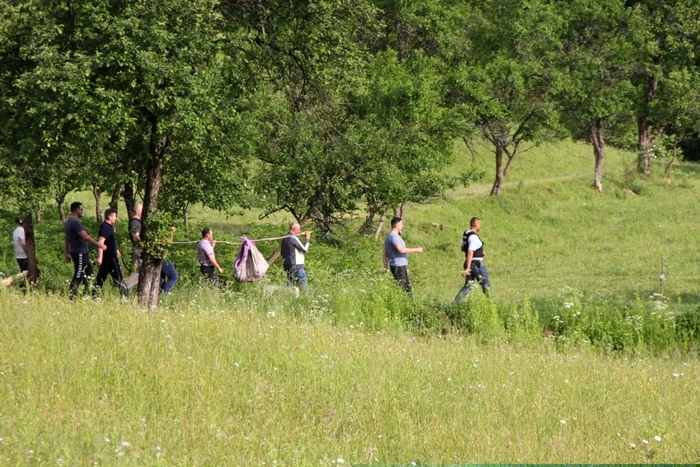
(478, 254)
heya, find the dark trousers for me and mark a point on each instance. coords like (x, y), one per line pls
(168, 276)
(401, 277)
(210, 273)
(110, 266)
(82, 270)
(23, 264)
(478, 275)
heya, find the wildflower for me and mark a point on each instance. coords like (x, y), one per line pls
(632, 445)
(657, 438)
(126, 444)
(562, 421)
(645, 441)
(340, 460)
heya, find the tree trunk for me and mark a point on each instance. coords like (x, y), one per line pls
(129, 198)
(368, 222)
(400, 210)
(97, 193)
(149, 275)
(379, 227)
(644, 146)
(61, 202)
(667, 172)
(597, 137)
(114, 202)
(500, 174)
(28, 224)
(186, 216)
(37, 212)
(643, 130)
(276, 254)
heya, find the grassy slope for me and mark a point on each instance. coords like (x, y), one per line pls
(236, 378)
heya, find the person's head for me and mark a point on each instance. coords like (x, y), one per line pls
(111, 216)
(138, 209)
(294, 227)
(18, 220)
(207, 233)
(475, 224)
(76, 207)
(397, 224)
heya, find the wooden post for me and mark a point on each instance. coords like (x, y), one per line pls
(662, 277)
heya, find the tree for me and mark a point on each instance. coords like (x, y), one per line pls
(666, 35)
(400, 137)
(307, 56)
(52, 114)
(596, 93)
(504, 75)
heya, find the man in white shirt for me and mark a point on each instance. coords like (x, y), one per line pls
(20, 246)
(474, 268)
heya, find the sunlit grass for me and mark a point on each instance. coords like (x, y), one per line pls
(209, 382)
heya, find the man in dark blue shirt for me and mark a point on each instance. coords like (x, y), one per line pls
(76, 242)
(108, 260)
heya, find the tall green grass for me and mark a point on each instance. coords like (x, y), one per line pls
(228, 378)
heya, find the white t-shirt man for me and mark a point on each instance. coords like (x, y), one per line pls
(20, 243)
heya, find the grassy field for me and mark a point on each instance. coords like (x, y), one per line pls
(575, 359)
(262, 381)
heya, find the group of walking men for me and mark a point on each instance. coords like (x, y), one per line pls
(76, 240)
(293, 252)
(395, 258)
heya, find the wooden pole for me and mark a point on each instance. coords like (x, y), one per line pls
(662, 277)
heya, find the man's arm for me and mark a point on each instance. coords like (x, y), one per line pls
(404, 251)
(470, 255)
(100, 253)
(385, 259)
(84, 235)
(212, 258)
(297, 243)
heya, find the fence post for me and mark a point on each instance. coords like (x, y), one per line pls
(662, 277)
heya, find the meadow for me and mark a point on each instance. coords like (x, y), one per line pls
(575, 358)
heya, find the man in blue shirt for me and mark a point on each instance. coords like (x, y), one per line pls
(396, 255)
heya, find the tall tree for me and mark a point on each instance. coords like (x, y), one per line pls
(596, 92)
(505, 73)
(667, 35)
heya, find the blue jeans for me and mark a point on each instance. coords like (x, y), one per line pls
(478, 275)
(298, 277)
(168, 276)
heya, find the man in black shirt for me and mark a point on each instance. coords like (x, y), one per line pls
(108, 260)
(76, 242)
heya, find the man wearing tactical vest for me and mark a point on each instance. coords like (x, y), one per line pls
(474, 268)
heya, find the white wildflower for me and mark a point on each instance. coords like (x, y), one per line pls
(657, 438)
